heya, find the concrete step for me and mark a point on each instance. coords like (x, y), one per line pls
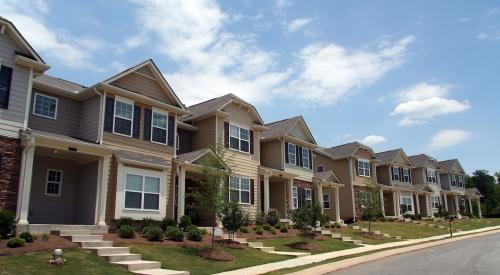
(326, 232)
(290, 253)
(356, 227)
(241, 240)
(346, 239)
(159, 271)
(387, 235)
(109, 250)
(255, 244)
(377, 232)
(336, 236)
(356, 241)
(265, 248)
(71, 232)
(364, 229)
(442, 227)
(397, 237)
(96, 244)
(139, 265)
(122, 257)
(84, 238)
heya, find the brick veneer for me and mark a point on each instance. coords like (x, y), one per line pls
(357, 205)
(303, 184)
(11, 154)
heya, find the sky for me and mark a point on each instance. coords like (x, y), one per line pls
(418, 75)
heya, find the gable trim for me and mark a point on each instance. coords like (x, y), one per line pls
(20, 39)
(307, 130)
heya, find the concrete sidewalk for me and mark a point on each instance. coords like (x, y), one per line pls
(260, 269)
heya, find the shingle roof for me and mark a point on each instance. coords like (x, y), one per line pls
(472, 192)
(419, 160)
(59, 83)
(447, 165)
(279, 128)
(192, 156)
(344, 150)
(387, 156)
(138, 157)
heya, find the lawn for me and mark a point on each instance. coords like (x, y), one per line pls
(472, 224)
(283, 244)
(180, 258)
(354, 234)
(405, 230)
(77, 262)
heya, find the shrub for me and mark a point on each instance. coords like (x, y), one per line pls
(273, 217)
(166, 222)
(27, 237)
(231, 217)
(338, 225)
(324, 219)
(153, 234)
(267, 227)
(204, 231)
(260, 218)
(327, 225)
(272, 231)
(7, 224)
(45, 237)
(258, 230)
(244, 230)
(284, 228)
(246, 219)
(194, 234)
(184, 222)
(278, 226)
(126, 232)
(147, 222)
(124, 221)
(174, 234)
(13, 243)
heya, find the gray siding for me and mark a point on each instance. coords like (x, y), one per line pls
(68, 117)
(89, 119)
(86, 191)
(185, 141)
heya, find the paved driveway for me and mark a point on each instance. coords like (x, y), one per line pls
(479, 255)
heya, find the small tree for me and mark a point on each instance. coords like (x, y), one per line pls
(372, 205)
(302, 220)
(232, 217)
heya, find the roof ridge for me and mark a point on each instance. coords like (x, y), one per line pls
(285, 119)
(389, 151)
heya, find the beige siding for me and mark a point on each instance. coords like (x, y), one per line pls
(67, 121)
(297, 132)
(205, 136)
(143, 85)
(384, 175)
(360, 180)
(134, 144)
(111, 194)
(328, 163)
(418, 175)
(271, 154)
(330, 212)
(303, 173)
(402, 160)
(277, 195)
(341, 168)
(89, 119)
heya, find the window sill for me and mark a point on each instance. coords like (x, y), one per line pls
(239, 151)
(142, 210)
(42, 116)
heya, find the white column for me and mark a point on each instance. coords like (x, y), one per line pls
(479, 208)
(181, 193)
(337, 203)
(382, 206)
(428, 205)
(417, 202)
(25, 183)
(395, 204)
(457, 206)
(320, 196)
(445, 202)
(398, 203)
(470, 206)
(290, 194)
(266, 193)
(104, 162)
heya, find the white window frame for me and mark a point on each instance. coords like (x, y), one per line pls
(143, 192)
(435, 200)
(406, 175)
(461, 181)
(453, 180)
(322, 168)
(47, 96)
(240, 190)
(408, 205)
(163, 113)
(294, 154)
(47, 183)
(395, 172)
(305, 158)
(327, 200)
(177, 142)
(431, 174)
(361, 199)
(295, 197)
(308, 196)
(239, 137)
(364, 169)
(129, 102)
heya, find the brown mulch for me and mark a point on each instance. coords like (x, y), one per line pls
(37, 245)
(217, 255)
(304, 246)
(230, 244)
(371, 236)
(267, 235)
(206, 241)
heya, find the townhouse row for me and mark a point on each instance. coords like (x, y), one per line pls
(128, 146)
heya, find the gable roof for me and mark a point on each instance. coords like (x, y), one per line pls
(347, 150)
(473, 192)
(58, 83)
(327, 176)
(21, 40)
(389, 157)
(210, 106)
(447, 165)
(283, 127)
(421, 159)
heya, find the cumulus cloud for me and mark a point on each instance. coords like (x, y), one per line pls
(373, 139)
(297, 24)
(329, 72)
(448, 138)
(423, 102)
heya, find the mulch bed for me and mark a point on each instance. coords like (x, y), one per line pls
(230, 244)
(304, 246)
(267, 235)
(37, 245)
(371, 236)
(206, 241)
(217, 255)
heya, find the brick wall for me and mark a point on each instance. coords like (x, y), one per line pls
(357, 205)
(10, 154)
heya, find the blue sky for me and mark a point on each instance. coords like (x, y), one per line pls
(420, 75)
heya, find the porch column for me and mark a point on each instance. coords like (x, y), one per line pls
(382, 206)
(266, 193)
(395, 205)
(457, 206)
(25, 183)
(417, 203)
(470, 206)
(181, 193)
(104, 164)
(290, 194)
(320, 196)
(398, 203)
(428, 205)
(479, 208)
(445, 202)
(337, 207)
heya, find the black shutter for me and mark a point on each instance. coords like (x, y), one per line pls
(226, 134)
(137, 121)
(310, 159)
(251, 142)
(286, 152)
(302, 199)
(252, 190)
(5, 83)
(426, 175)
(171, 124)
(298, 155)
(401, 174)
(392, 172)
(108, 114)
(357, 169)
(409, 173)
(147, 124)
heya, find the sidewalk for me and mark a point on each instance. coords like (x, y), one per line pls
(260, 269)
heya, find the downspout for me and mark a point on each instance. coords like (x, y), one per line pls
(101, 112)
(28, 100)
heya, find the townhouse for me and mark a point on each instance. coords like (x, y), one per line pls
(427, 172)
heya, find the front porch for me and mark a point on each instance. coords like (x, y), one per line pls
(276, 191)
(398, 201)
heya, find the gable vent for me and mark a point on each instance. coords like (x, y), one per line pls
(145, 71)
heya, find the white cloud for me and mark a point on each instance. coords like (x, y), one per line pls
(71, 51)
(373, 139)
(423, 102)
(297, 24)
(464, 19)
(448, 138)
(330, 72)
(281, 4)
(211, 60)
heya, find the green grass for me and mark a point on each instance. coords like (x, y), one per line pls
(354, 234)
(179, 258)
(77, 262)
(471, 224)
(405, 230)
(282, 244)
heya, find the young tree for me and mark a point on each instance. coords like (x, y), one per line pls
(372, 206)
(302, 220)
(231, 216)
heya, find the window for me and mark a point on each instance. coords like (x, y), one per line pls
(124, 115)
(364, 198)
(461, 181)
(5, 81)
(435, 202)
(308, 197)
(142, 192)
(364, 168)
(407, 202)
(295, 197)
(239, 138)
(395, 173)
(320, 168)
(292, 153)
(54, 182)
(453, 180)
(45, 106)
(305, 158)
(239, 190)
(159, 127)
(406, 175)
(431, 176)
(326, 201)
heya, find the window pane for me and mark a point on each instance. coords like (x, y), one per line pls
(234, 195)
(159, 135)
(152, 201)
(124, 109)
(234, 183)
(234, 143)
(245, 197)
(134, 183)
(152, 185)
(244, 134)
(133, 200)
(160, 120)
(45, 106)
(245, 184)
(245, 146)
(123, 126)
(234, 131)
